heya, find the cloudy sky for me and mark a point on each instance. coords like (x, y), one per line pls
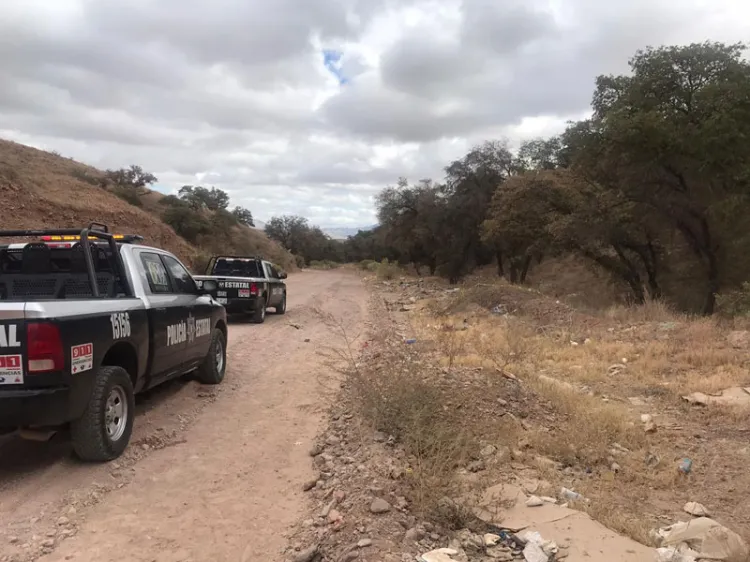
(312, 106)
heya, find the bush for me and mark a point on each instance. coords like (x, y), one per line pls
(396, 394)
(172, 201)
(387, 270)
(324, 264)
(735, 303)
(129, 195)
(186, 222)
(368, 265)
(300, 261)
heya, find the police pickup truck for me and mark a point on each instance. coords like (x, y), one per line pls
(247, 285)
(87, 320)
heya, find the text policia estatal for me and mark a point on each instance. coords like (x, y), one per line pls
(188, 330)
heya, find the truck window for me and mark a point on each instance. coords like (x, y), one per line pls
(38, 271)
(183, 281)
(237, 268)
(156, 273)
(274, 273)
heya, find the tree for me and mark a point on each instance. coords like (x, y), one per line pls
(289, 231)
(203, 198)
(675, 137)
(132, 178)
(243, 216)
(411, 219)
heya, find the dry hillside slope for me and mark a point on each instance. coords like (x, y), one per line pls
(41, 189)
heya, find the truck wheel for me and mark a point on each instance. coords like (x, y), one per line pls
(259, 314)
(103, 431)
(281, 308)
(214, 366)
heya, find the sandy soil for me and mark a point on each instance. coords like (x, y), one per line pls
(211, 474)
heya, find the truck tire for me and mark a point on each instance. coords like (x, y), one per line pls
(103, 432)
(259, 314)
(281, 307)
(214, 366)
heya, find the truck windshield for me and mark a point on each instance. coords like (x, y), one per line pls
(237, 267)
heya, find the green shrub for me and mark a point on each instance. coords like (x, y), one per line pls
(187, 222)
(324, 264)
(129, 195)
(735, 303)
(386, 270)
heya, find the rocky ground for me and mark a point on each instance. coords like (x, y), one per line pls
(558, 434)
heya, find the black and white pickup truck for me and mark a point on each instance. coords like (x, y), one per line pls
(247, 285)
(87, 320)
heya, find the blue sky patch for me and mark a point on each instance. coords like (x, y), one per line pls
(332, 61)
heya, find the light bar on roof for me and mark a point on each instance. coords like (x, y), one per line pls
(72, 238)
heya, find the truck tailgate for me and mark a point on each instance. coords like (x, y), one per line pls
(232, 288)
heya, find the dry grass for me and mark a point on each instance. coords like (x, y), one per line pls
(591, 377)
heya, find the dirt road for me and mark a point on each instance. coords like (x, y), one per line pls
(212, 474)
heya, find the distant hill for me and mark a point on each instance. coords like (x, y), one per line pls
(41, 189)
(335, 232)
(344, 232)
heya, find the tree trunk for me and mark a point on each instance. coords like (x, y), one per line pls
(500, 269)
(525, 268)
(513, 273)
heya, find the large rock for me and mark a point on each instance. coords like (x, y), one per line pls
(707, 538)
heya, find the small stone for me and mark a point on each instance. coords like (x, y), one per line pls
(502, 402)
(649, 427)
(645, 418)
(310, 484)
(534, 501)
(615, 467)
(349, 556)
(145, 447)
(488, 451)
(332, 440)
(475, 466)
(696, 509)
(48, 543)
(415, 534)
(306, 555)
(379, 505)
(491, 540)
(334, 516)
(52, 533)
(364, 543)
(13, 540)
(63, 521)
(315, 450)
(72, 510)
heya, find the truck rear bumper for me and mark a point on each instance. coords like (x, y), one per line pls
(34, 407)
(235, 306)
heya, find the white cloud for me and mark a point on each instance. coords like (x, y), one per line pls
(236, 92)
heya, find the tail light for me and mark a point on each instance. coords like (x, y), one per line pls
(253, 289)
(44, 348)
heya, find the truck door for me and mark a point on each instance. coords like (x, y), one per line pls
(275, 285)
(167, 335)
(197, 310)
